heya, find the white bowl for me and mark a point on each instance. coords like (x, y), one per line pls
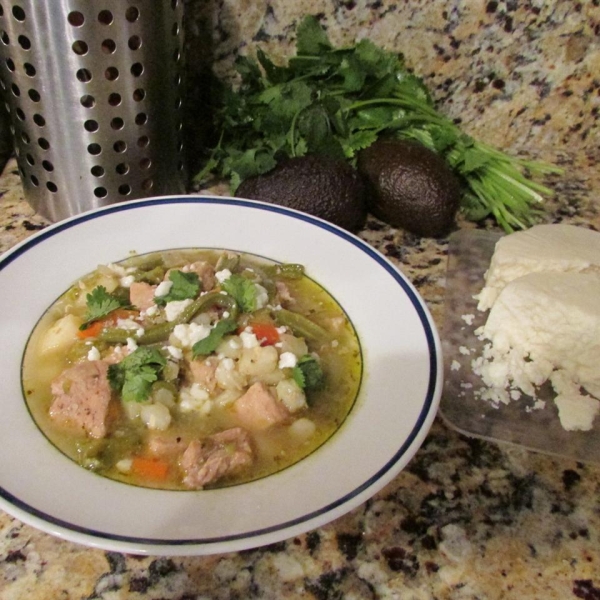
(396, 405)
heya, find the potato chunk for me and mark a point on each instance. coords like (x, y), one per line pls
(61, 335)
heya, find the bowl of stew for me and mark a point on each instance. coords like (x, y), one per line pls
(197, 374)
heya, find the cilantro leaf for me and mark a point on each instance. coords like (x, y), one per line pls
(134, 375)
(185, 286)
(242, 290)
(311, 37)
(137, 384)
(308, 373)
(210, 343)
(100, 303)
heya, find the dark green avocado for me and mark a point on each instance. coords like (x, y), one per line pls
(325, 187)
(410, 186)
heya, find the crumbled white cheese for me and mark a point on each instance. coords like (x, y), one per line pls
(174, 309)
(131, 345)
(93, 353)
(576, 411)
(163, 288)
(189, 333)
(455, 366)
(287, 360)
(150, 311)
(249, 339)
(127, 281)
(547, 248)
(174, 352)
(128, 324)
(223, 275)
(468, 319)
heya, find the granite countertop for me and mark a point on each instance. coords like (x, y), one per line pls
(467, 519)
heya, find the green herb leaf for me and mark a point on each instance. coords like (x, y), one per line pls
(185, 286)
(211, 342)
(311, 38)
(134, 375)
(308, 373)
(100, 303)
(242, 290)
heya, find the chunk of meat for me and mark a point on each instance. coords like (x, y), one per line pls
(141, 295)
(82, 396)
(210, 459)
(203, 373)
(206, 273)
(164, 445)
(283, 294)
(258, 408)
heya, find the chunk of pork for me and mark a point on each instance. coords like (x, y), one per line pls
(206, 273)
(164, 445)
(141, 295)
(210, 459)
(81, 397)
(283, 294)
(203, 373)
(259, 409)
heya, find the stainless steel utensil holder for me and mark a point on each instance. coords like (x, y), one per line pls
(94, 90)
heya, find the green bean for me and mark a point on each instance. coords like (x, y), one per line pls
(286, 270)
(144, 262)
(301, 325)
(160, 332)
(153, 276)
(227, 260)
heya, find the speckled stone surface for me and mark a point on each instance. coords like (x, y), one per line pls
(467, 519)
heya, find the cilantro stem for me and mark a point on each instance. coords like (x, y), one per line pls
(431, 115)
(292, 134)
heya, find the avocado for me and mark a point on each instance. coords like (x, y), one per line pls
(410, 186)
(325, 187)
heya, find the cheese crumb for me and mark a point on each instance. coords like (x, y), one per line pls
(468, 319)
(223, 275)
(189, 333)
(287, 360)
(174, 309)
(163, 288)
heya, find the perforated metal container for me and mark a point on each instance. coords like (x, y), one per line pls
(94, 90)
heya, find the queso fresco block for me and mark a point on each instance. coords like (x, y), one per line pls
(543, 287)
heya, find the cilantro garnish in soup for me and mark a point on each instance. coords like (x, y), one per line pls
(192, 368)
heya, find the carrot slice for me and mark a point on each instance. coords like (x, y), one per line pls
(94, 329)
(150, 468)
(266, 333)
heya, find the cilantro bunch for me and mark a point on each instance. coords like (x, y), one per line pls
(338, 101)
